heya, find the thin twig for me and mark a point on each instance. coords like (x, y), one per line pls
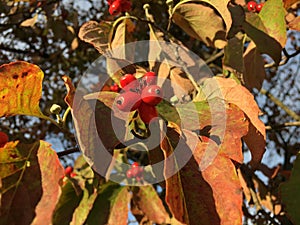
(68, 151)
(214, 57)
(281, 126)
(279, 103)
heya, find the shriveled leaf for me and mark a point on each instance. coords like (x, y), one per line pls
(96, 34)
(215, 191)
(20, 89)
(295, 24)
(70, 90)
(192, 16)
(241, 97)
(110, 206)
(255, 72)
(290, 192)
(29, 178)
(29, 22)
(68, 202)
(147, 200)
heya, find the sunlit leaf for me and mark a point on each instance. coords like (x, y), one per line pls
(147, 200)
(20, 89)
(192, 16)
(295, 24)
(29, 178)
(241, 97)
(29, 22)
(96, 34)
(289, 3)
(290, 192)
(216, 187)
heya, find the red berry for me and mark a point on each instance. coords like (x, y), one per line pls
(152, 95)
(135, 171)
(128, 101)
(135, 164)
(149, 78)
(68, 170)
(258, 7)
(73, 175)
(129, 173)
(3, 139)
(147, 112)
(115, 8)
(126, 79)
(114, 88)
(251, 6)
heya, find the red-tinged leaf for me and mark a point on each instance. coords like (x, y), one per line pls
(70, 90)
(192, 16)
(29, 177)
(289, 3)
(213, 196)
(20, 89)
(241, 97)
(254, 73)
(290, 192)
(110, 206)
(96, 34)
(295, 24)
(95, 130)
(68, 202)
(147, 200)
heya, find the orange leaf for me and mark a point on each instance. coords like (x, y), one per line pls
(20, 89)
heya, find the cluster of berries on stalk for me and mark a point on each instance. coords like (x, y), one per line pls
(118, 6)
(254, 7)
(135, 171)
(140, 94)
(3, 139)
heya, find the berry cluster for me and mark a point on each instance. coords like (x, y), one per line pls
(135, 171)
(142, 95)
(3, 139)
(254, 7)
(69, 172)
(118, 6)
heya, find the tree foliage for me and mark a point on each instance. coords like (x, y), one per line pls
(209, 126)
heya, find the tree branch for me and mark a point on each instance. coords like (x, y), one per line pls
(68, 151)
(279, 103)
(283, 125)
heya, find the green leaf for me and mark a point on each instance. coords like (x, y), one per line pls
(29, 177)
(290, 192)
(110, 206)
(68, 202)
(147, 200)
(20, 89)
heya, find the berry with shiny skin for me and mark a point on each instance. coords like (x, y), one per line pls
(149, 78)
(114, 88)
(115, 7)
(258, 7)
(128, 101)
(68, 170)
(147, 112)
(152, 95)
(251, 6)
(3, 139)
(127, 79)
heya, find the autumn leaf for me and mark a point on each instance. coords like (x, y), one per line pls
(93, 118)
(238, 95)
(110, 206)
(29, 177)
(192, 16)
(295, 24)
(147, 200)
(20, 89)
(96, 34)
(289, 3)
(216, 187)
